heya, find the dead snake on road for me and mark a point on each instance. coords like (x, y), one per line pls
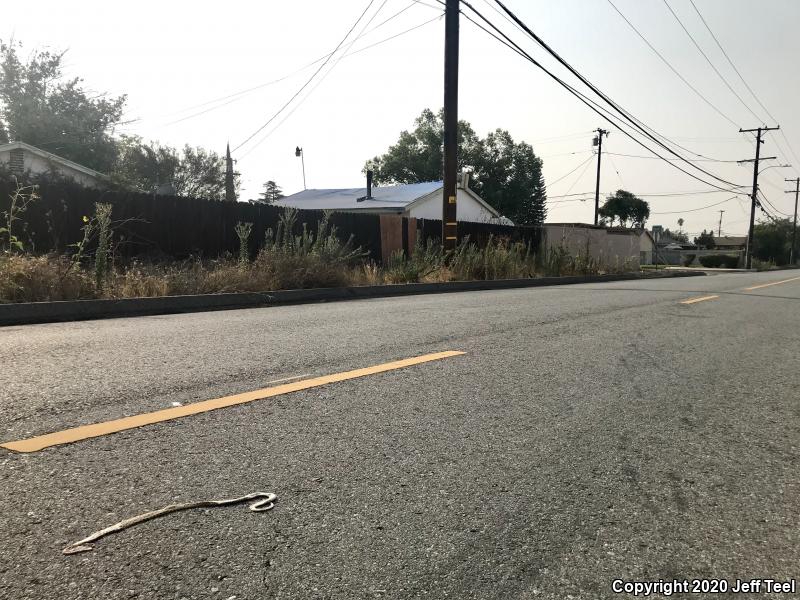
(266, 501)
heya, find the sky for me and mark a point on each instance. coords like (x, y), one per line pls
(185, 66)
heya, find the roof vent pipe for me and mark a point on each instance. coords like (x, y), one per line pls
(369, 184)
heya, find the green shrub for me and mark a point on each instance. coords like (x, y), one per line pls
(711, 261)
(423, 262)
(688, 259)
(716, 261)
(311, 259)
(730, 261)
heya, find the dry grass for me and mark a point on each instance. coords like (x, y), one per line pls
(42, 278)
(285, 263)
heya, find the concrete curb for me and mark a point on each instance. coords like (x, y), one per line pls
(81, 310)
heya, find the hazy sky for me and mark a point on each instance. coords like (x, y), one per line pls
(174, 58)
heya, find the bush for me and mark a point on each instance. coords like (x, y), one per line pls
(688, 259)
(26, 278)
(319, 259)
(730, 261)
(423, 262)
(716, 261)
(711, 261)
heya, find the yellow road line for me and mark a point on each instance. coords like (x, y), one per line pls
(763, 285)
(700, 299)
(84, 432)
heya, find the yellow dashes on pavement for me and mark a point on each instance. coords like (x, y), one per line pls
(84, 432)
(763, 285)
(700, 299)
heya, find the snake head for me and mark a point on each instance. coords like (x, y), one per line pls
(77, 549)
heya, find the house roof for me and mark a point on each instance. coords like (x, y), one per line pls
(397, 197)
(391, 196)
(51, 157)
(730, 240)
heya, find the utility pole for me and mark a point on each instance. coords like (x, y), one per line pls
(754, 199)
(720, 223)
(598, 141)
(449, 191)
(793, 251)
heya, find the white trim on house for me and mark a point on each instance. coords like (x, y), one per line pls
(53, 158)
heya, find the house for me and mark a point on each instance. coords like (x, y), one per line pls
(21, 158)
(730, 243)
(416, 200)
(647, 247)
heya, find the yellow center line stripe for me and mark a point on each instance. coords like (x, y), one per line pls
(700, 299)
(84, 432)
(763, 285)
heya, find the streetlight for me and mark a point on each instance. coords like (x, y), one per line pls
(299, 152)
(774, 167)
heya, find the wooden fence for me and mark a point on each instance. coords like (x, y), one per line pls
(154, 227)
(168, 226)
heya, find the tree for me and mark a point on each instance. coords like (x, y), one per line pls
(193, 172)
(668, 236)
(39, 106)
(772, 241)
(705, 240)
(506, 174)
(271, 193)
(680, 223)
(623, 205)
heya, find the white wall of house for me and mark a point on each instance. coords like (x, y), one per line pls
(467, 208)
(38, 165)
(646, 248)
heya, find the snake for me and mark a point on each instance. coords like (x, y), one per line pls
(263, 501)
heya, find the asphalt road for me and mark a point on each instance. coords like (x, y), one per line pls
(590, 433)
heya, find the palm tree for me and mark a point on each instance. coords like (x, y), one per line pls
(680, 224)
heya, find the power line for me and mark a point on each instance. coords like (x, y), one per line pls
(637, 124)
(772, 206)
(241, 93)
(656, 158)
(571, 172)
(592, 105)
(673, 69)
(574, 183)
(297, 93)
(708, 60)
(676, 212)
(743, 80)
(730, 62)
(615, 169)
(316, 85)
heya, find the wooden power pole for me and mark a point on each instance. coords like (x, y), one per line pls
(796, 192)
(754, 197)
(449, 191)
(598, 141)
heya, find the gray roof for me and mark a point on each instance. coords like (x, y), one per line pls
(387, 197)
(730, 240)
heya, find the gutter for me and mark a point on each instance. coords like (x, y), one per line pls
(81, 310)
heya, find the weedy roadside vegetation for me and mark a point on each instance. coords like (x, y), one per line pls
(290, 257)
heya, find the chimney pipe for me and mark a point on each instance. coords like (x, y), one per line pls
(369, 184)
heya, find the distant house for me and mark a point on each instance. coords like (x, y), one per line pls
(419, 200)
(647, 247)
(730, 242)
(21, 158)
